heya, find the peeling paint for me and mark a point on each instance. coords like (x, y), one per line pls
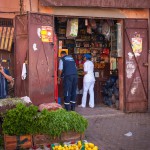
(130, 55)
(35, 47)
(136, 82)
(130, 68)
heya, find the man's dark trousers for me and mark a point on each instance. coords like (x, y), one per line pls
(70, 86)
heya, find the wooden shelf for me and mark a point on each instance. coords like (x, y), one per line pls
(95, 47)
(82, 40)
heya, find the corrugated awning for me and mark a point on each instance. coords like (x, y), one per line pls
(6, 38)
(98, 3)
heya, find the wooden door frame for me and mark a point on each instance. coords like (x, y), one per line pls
(149, 62)
(121, 71)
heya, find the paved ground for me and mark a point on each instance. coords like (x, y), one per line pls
(107, 127)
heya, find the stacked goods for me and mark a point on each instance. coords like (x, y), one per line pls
(111, 91)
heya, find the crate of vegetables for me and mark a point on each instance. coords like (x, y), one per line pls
(78, 145)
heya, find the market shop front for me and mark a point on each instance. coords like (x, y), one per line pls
(116, 38)
(109, 64)
(121, 73)
(123, 60)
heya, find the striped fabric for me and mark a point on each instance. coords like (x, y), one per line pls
(6, 38)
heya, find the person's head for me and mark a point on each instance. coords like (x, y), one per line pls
(63, 53)
(79, 57)
(87, 57)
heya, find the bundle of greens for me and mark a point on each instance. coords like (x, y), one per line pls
(27, 120)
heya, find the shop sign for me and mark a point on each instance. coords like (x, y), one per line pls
(46, 34)
(137, 45)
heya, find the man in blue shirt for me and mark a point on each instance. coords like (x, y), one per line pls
(4, 79)
(67, 68)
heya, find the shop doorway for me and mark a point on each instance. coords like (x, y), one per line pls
(114, 45)
(97, 37)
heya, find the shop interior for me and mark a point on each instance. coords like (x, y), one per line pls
(97, 37)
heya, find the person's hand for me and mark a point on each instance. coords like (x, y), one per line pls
(1, 69)
(59, 79)
(84, 73)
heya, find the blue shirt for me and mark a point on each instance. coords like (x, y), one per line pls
(67, 65)
(3, 85)
(60, 64)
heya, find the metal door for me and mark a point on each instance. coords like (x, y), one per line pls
(38, 56)
(21, 52)
(41, 59)
(136, 70)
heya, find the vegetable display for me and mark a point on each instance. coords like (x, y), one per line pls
(27, 120)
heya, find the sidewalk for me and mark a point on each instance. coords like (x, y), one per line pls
(107, 127)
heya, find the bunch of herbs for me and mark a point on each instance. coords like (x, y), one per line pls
(27, 120)
(20, 120)
(54, 123)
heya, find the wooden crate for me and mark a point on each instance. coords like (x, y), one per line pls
(71, 136)
(43, 139)
(46, 139)
(14, 142)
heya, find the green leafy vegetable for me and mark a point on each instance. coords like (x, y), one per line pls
(27, 120)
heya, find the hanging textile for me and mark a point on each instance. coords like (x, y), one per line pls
(6, 38)
(72, 28)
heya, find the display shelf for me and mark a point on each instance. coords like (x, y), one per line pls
(80, 53)
(96, 47)
(62, 38)
(82, 40)
(82, 47)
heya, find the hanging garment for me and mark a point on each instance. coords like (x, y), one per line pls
(24, 72)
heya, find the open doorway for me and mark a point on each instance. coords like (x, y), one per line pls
(98, 37)
(7, 49)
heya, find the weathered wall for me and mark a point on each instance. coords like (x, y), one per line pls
(96, 12)
(98, 3)
(9, 5)
(31, 5)
(9, 9)
(35, 6)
